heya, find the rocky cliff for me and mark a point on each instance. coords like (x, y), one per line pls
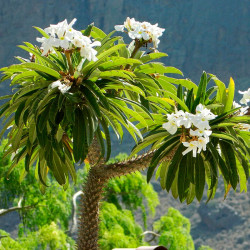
(200, 35)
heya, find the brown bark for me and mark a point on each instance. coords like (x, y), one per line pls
(93, 189)
(89, 221)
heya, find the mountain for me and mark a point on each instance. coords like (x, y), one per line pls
(200, 35)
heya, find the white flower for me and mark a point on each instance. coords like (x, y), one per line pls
(202, 117)
(200, 122)
(200, 109)
(119, 28)
(170, 126)
(246, 96)
(141, 30)
(86, 49)
(62, 87)
(236, 105)
(184, 119)
(201, 143)
(191, 146)
(47, 44)
(64, 36)
(200, 132)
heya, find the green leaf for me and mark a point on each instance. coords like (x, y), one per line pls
(222, 117)
(100, 140)
(15, 141)
(163, 173)
(209, 92)
(160, 153)
(244, 162)
(230, 95)
(58, 169)
(183, 182)
(41, 68)
(119, 85)
(239, 119)
(32, 132)
(42, 171)
(53, 110)
(159, 68)
(93, 65)
(201, 92)
(152, 56)
(25, 75)
(229, 154)
(175, 98)
(79, 136)
(97, 33)
(41, 31)
(117, 73)
(87, 32)
(71, 168)
(221, 93)
(225, 136)
(43, 59)
(173, 167)
(5, 97)
(191, 193)
(174, 187)
(180, 95)
(91, 99)
(199, 177)
(108, 140)
(190, 99)
(184, 82)
(19, 112)
(118, 62)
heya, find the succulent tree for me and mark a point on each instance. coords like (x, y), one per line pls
(68, 96)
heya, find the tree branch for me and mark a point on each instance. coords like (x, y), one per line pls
(152, 233)
(17, 208)
(139, 163)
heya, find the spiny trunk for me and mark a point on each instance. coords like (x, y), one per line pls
(93, 189)
(89, 220)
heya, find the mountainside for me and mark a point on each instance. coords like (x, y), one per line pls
(200, 35)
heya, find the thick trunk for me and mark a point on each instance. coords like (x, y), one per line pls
(93, 189)
(89, 220)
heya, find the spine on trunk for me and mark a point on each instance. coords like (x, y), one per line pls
(89, 218)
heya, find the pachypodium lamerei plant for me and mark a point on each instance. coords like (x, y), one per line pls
(78, 84)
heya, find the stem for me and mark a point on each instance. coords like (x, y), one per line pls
(93, 190)
(89, 220)
(68, 56)
(138, 45)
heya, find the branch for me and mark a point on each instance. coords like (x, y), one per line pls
(151, 232)
(139, 163)
(17, 208)
(8, 210)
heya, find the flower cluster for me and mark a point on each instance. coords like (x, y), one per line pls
(197, 126)
(141, 30)
(62, 35)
